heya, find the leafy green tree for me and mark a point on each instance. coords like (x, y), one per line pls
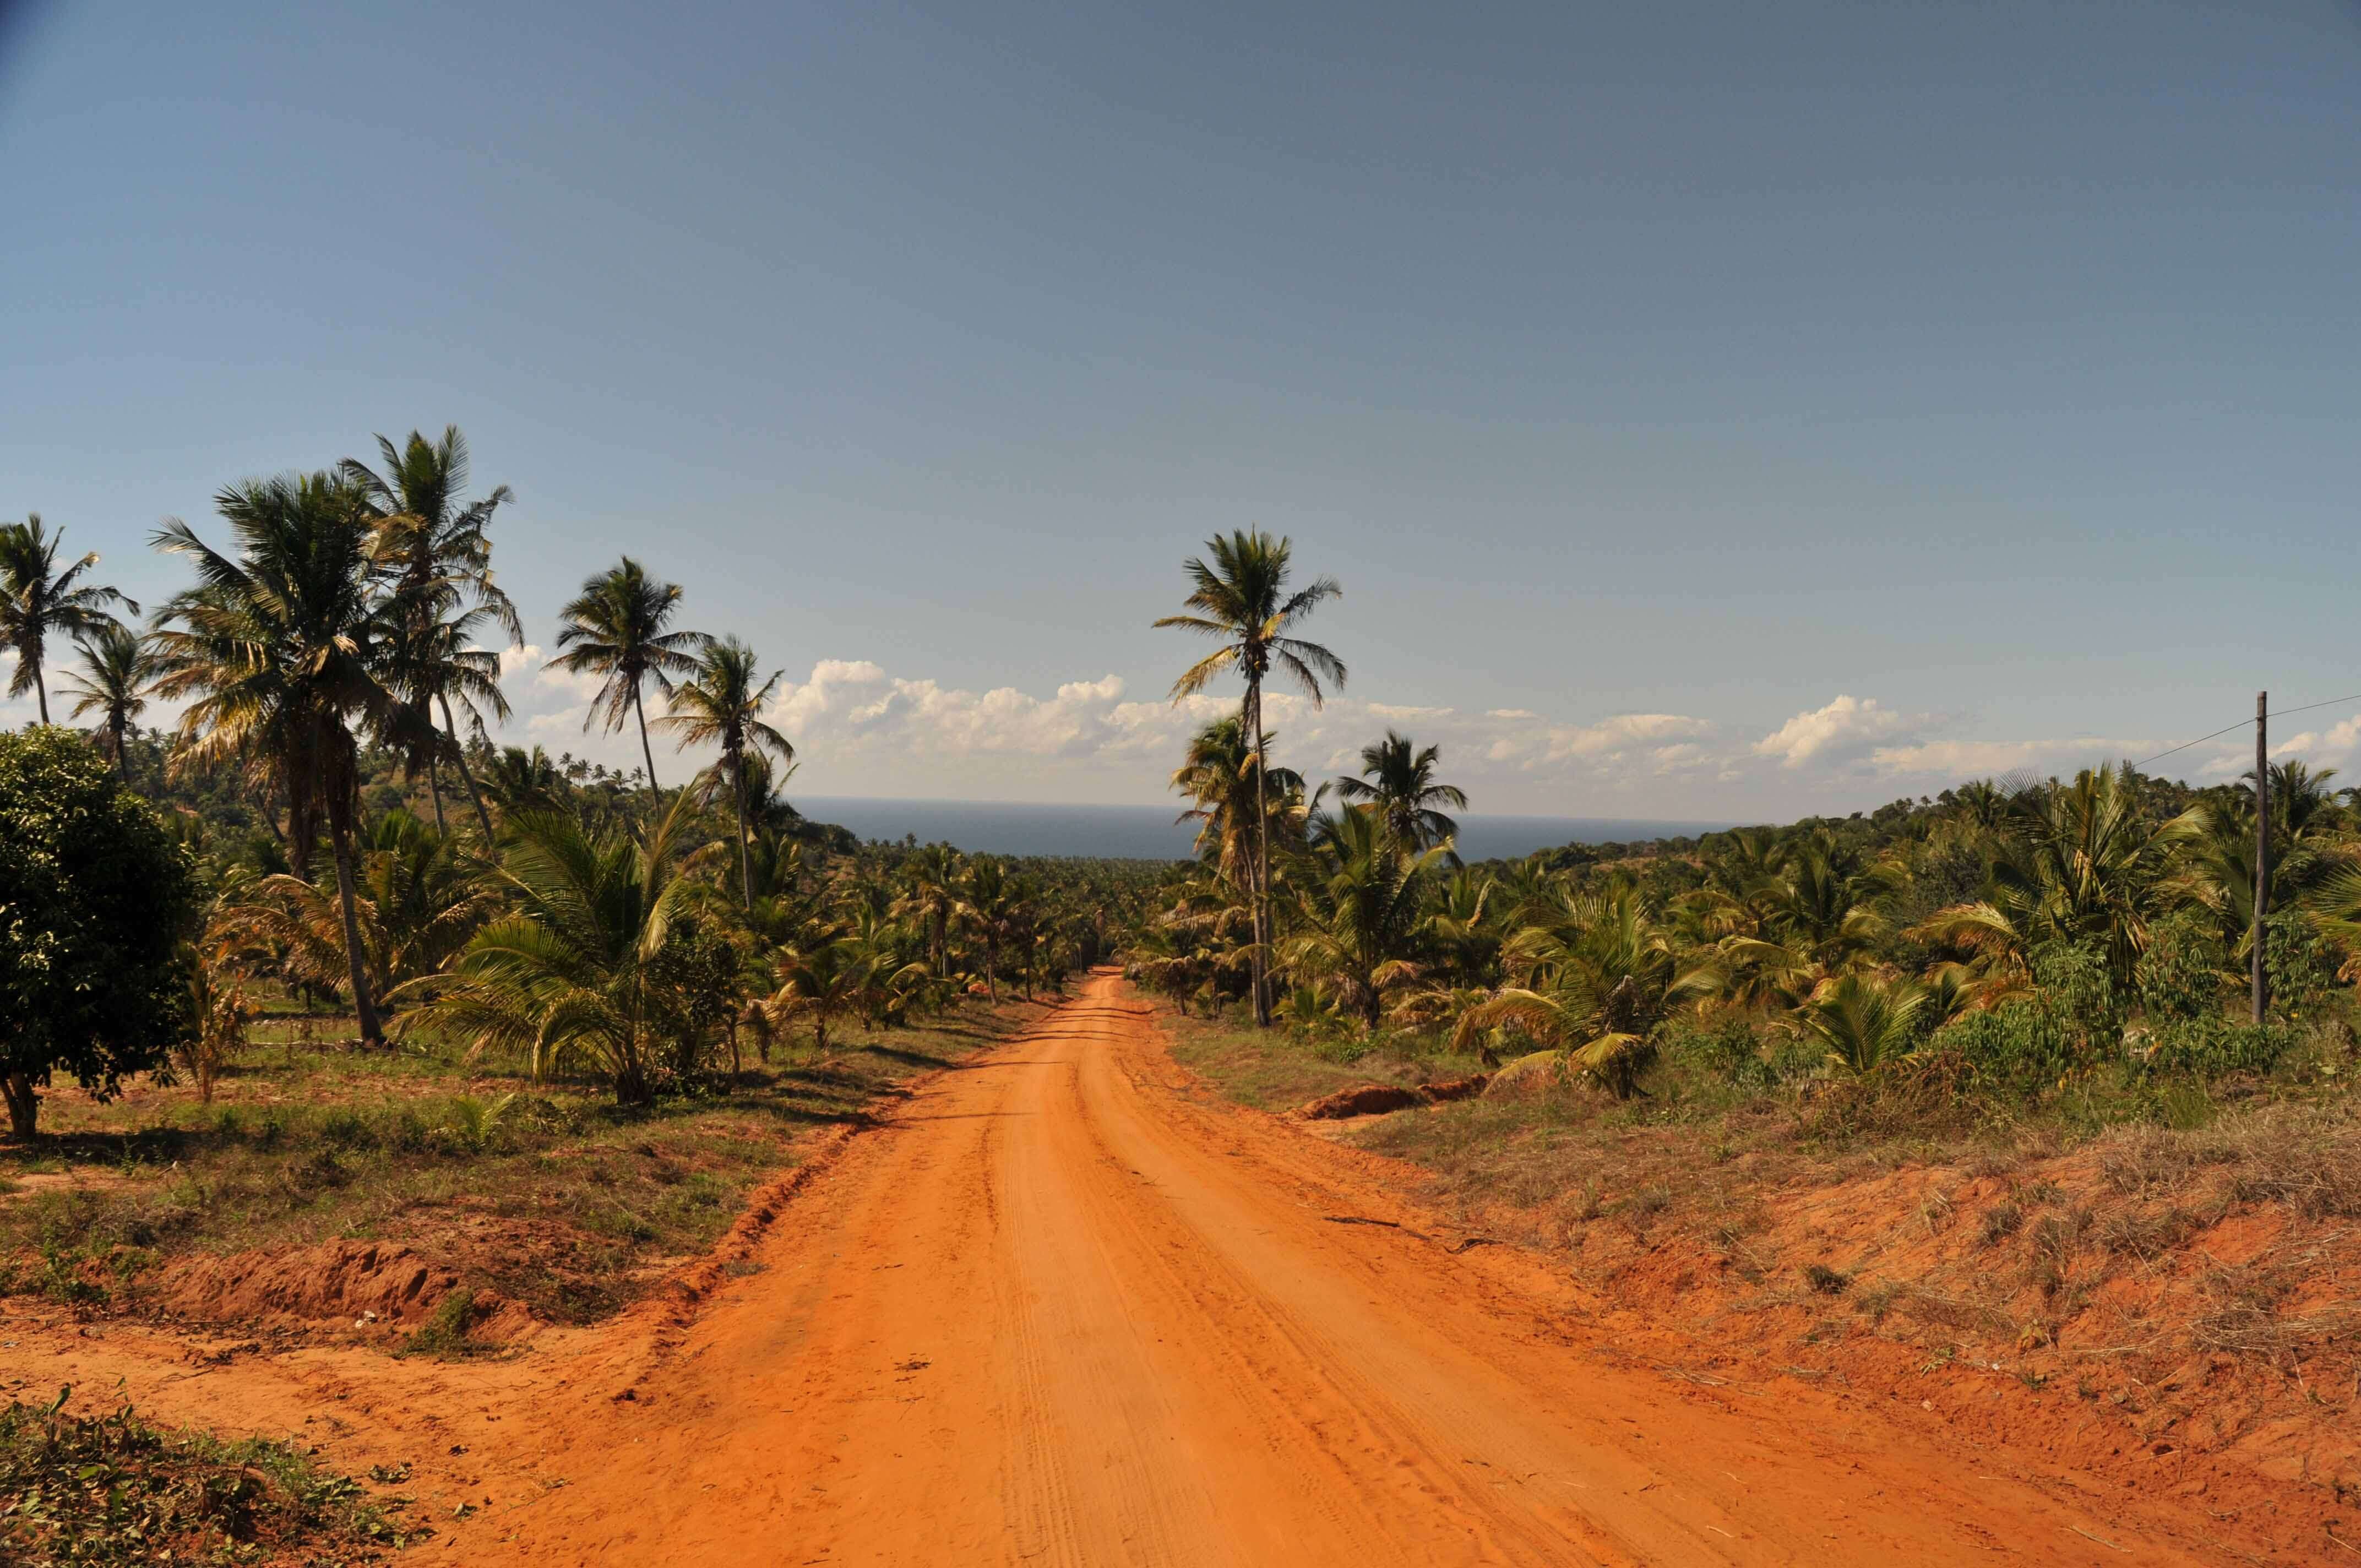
(37, 601)
(113, 687)
(2080, 864)
(279, 654)
(95, 899)
(720, 704)
(989, 901)
(616, 629)
(1398, 783)
(1241, 600)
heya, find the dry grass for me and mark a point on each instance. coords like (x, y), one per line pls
(550, 1196)
(2020, 1231)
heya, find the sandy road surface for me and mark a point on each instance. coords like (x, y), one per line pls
(1063, 1310)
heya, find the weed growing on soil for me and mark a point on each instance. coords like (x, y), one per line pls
(94, 1491)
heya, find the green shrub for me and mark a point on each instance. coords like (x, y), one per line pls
(1728, 1049)
(2020, 1048)
(2301, 966)
(2211, 1047)
(2182, 974)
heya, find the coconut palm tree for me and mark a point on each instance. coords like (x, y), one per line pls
(1242, 601)
(575, 973)
(435, 666)
(279, 653)
(1865, 1024)
(722, 704)
(1358, 912)
(616, 629)
(1223, 775)
(437, 551)
(519, 780)
(420, 902)
(990, 901)
(1597, 986)
(114, 686)
(931, 877)
(38, 601)
(822, 982)
(2080, 864)
(1398, 783)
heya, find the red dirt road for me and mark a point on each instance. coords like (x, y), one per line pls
(1062, 1309)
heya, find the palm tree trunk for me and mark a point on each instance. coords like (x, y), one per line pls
(745, 857)
(340, 846)
(1259, 891)
(41, 687)
(641, 712)
(434, 793)
(467, 774)
(122, 763)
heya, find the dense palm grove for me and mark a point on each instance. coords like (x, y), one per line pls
(357, 842)
(2019, 939)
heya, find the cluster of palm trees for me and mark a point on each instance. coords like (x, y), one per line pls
(344, 620)
(1353, 912)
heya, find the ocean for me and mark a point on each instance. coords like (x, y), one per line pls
(1148, 832)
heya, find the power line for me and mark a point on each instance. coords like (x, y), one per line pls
(2241, 724)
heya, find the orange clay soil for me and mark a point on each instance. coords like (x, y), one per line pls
(1062, 1306)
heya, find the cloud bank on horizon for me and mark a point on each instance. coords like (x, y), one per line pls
(861, 728)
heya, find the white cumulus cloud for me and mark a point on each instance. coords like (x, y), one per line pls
(1842, 730)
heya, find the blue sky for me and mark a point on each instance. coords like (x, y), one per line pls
(1712, 411)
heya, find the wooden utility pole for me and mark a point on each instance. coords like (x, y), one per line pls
(2259, 975)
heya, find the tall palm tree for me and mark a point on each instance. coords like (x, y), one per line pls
(1223, 775)
(37, 601)
(278, 653)
(992, 901)
(931, 877)
(616, 628)
(722, 704)
(437, 552)
(1242, 600)
(1398, 783)
(114, 685)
